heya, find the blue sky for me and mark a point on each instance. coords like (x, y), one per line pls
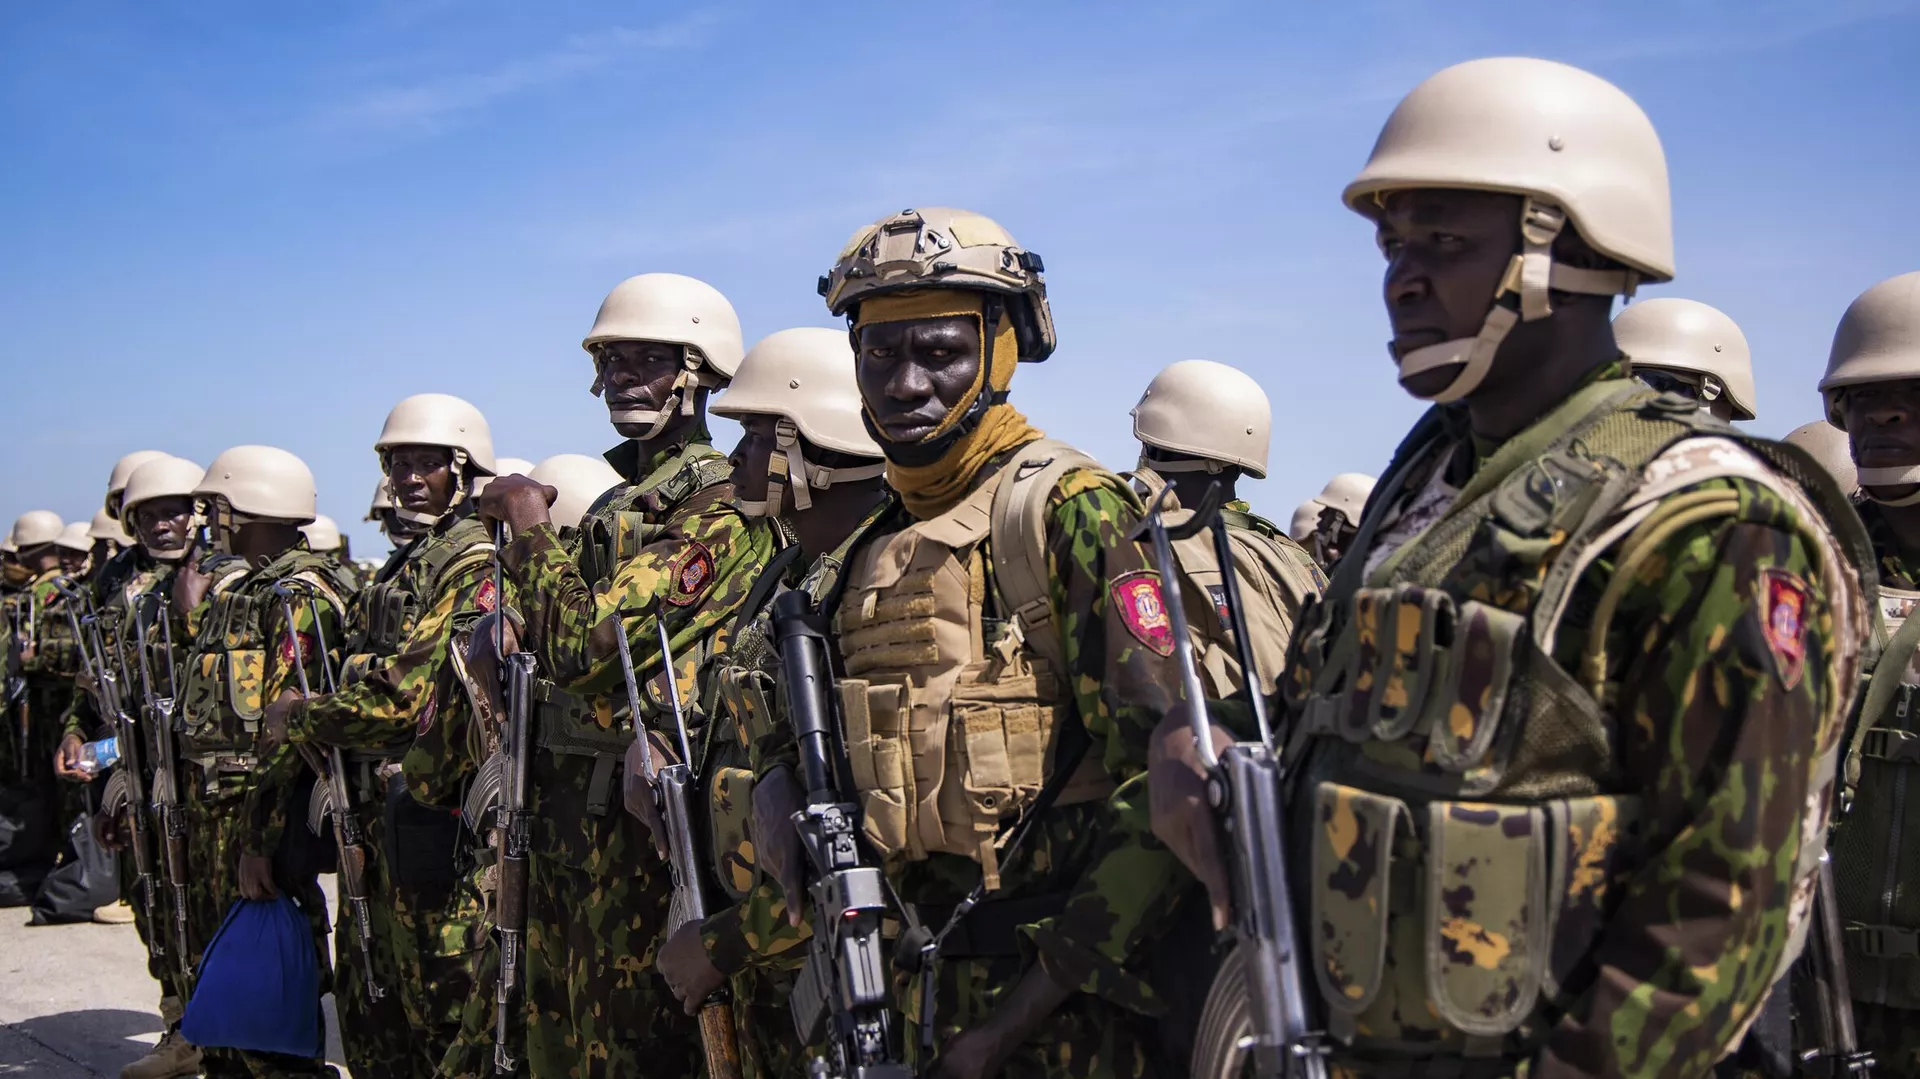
(226, 222)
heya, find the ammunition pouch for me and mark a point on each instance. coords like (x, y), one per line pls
(424, 846)
(568, 728)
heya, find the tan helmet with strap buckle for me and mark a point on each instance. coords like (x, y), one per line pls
(1673, 334)
(123, 470)
(670, 309)
(262, 483)
(1210, 412)
(804, 377)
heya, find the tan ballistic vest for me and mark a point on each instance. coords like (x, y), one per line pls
(953, 696)
(1466, 819)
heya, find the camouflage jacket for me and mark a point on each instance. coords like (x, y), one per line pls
(1614, 873)
(1118, 885)
(669, 540)
(750, 735)
(245, 655)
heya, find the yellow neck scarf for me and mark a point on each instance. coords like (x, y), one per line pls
(932, 489)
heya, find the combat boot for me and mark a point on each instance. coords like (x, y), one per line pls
(116, 913)
(175, 1056)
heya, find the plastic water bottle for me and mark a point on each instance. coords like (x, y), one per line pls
(97, 757)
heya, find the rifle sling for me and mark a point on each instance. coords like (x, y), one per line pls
(991, 930)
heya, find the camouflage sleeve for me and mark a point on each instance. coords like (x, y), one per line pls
(397, 694)
(699, 571)
(1118, 644)
(755, 933)
(1722, 652)
(290, 654)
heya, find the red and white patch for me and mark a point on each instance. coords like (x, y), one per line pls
(690, 572)
(1783, 600)
(1136, 598)
(298, 652)
(486, 598)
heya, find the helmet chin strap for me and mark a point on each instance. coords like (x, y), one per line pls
(1531, 275)
(679, 399)
(1187, 464)
(1894, 476)
(788, 461)
(462, 484)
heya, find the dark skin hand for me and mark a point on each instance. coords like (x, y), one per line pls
(519, 501)
(66, 759)
(1446, 252)
(421, 478)
(776, 798)
(256, 877)
(273, 722)
(1177, 797)
(259, 542)
(912, 373)
(983, 1050)
(484, 650)
(164, 524)
(640, 375)
(689, 973)
(1883, 430)
(636, 790)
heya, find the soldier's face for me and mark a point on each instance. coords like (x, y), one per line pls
(913, 373)
(638, 376)
(421, 477)
(1446, 251)
(1883, 428)
(164, 524)
(72, 562)
(752, 457)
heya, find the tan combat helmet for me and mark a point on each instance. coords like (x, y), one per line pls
(671, 309)
(123, 470)
(35, 528)
(1346, 494)
(1699, 343)
(1878, 340)
(73, 537)
(163, 478)
(257, 483)
(1828, 445)
(805, 378)
(1579, 151)
(504, 466)
(104, 527)
(1306, 520)
(580, 479)
(1216, 414)
(939, 247)
(382, 501)
(440, 419)
(323, 535)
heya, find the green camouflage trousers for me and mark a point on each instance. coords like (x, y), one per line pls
(1892, 1035)
(1087, 1038)
(166, 968)
(213, 852)
(421, 958)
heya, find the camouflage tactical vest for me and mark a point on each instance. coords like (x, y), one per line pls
(953, 697)
(1276, 576)
(224, 686)
(43, 618)
(613, 531)
(1876, 843)
(1461, 810)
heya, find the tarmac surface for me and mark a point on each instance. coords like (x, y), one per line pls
(76, 1001)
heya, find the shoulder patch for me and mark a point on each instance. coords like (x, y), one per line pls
(427, 713)
(1137, 600)
(294, 651)
(1783, 600)
(689, 574)
(486, 597)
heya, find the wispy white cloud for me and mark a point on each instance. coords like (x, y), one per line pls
(434, 105)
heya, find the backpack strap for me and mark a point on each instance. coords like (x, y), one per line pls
(1881, 686)
(1018, 535)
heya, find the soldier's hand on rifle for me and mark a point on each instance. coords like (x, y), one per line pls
(684, 963)
(483, 662)
(106, 830)
(776, 843)
(273, 722)
(1182, 819)
(66, 759)
(637, 791)
(256, 877)
(189, 586)
(519, 501)
(983, 1049)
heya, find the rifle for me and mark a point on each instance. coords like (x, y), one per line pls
(1829, 999)
(124, 796)
(675, 789)
(330, 797)
(19, 639)
(502, 786)
(845, 978)
(1275, 1021)
(166, 773)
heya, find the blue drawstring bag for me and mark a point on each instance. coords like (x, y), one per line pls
(259, 984)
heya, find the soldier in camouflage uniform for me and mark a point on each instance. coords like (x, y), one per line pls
(245, 655)
(1688, 348)
(1872, 388)
(668, 542)
(433, 448)
(1337, 520)
(1562, 731)
(1002, 653)
(806, 459)
(41, 661)
(1202, 424)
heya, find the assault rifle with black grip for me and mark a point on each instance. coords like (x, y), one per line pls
(1259, 1003)
(843, 995)
(330, 796)
(125, 796)
(1827, 1003)
(157, 713)
(676, 790)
